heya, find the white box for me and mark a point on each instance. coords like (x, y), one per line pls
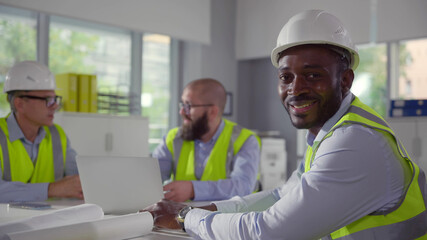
(273, 164)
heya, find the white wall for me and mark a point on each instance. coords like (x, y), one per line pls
(259, 22)
(216, 60)
(181, 19)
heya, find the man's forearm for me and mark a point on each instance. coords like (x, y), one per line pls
(211, 207)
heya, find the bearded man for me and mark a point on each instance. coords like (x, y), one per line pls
(208, 157)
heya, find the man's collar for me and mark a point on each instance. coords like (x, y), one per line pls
(217, 133)
(219, 130)
(15, 131)
(345, 104)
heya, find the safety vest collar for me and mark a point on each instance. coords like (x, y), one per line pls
(326, 128)
(215, 167)
(15, 132)
(229, 142)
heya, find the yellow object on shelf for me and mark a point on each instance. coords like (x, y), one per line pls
(93, 95)
(78, 91)
(66, 86)
(83, 92)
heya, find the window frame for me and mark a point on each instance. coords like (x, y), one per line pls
(43, 21)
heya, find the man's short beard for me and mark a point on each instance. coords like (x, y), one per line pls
(196, 130)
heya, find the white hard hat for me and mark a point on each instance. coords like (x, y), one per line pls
(29, 75)
(315, 27)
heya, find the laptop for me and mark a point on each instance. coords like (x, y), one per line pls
(120, 185)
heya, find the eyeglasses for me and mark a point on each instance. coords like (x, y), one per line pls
(50, 101)
(187, 107)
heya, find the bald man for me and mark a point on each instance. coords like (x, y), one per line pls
(208, 157)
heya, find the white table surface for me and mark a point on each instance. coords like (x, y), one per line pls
(9, 214)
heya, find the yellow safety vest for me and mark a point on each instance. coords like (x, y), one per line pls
(406, 221)
(218, 165)
(49, 165)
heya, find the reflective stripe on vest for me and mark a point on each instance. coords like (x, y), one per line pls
(228, 144)
(408, 220)
(58, 152)
(50, 162)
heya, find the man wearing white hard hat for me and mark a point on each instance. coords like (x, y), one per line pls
(37, 161)
(357, 181)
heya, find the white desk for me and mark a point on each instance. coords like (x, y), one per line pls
(9, 214)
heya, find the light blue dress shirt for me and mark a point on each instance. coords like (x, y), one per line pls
(242, 178)
(355, 173)
(18, 191)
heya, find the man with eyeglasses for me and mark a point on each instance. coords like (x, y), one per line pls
(208, 157)
(37, 161)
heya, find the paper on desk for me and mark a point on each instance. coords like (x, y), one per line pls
(117, 227)
(66, 216)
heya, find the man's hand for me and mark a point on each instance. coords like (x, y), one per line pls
(164, 213)
(179, 191)
(68, 187)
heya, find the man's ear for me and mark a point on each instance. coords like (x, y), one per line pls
(18, 102)
(347, 81)
(214, 111)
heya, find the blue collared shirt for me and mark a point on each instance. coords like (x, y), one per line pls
(242, 178)
(355, 173)
(18, 191)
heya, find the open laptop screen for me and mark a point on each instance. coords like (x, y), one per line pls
(120, 185)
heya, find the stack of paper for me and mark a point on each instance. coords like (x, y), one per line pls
(85, 221)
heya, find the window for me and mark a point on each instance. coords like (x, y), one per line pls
(77, 46)
(370, 83)
(412, 81)
(80, 47)
(407, 80)
(156, 84)
(17, 43)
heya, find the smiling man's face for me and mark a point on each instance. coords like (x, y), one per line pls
(310, 85)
